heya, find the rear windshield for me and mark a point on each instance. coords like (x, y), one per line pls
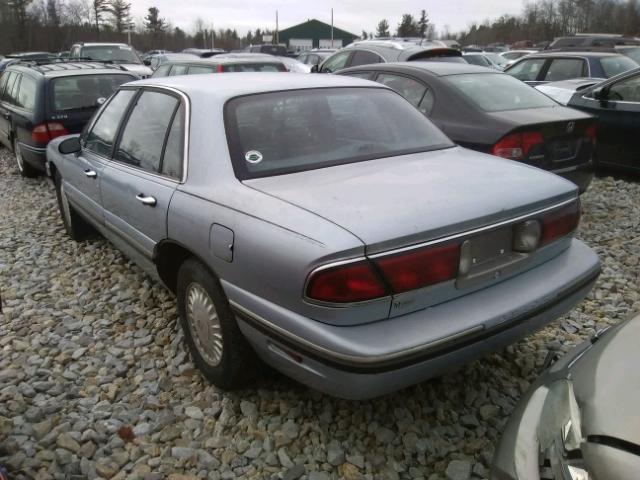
(497, 92)
(292, 131)
(617, 64)
(115, 53)
(254, 67)
(83, 91)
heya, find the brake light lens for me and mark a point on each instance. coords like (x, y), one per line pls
(516, 146)
(349, 283)
(45, 132)
(420, 268)
(219, 68)
(560, 223)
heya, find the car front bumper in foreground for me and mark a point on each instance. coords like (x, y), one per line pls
(365, 361)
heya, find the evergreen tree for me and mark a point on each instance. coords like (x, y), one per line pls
(382, 30)
(121, 15)
(408, 27)
(423, 23)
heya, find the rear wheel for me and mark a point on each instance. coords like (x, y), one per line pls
(24, 168)
(76, 226)
(212, 335)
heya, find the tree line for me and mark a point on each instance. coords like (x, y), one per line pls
(543, 20)
(54, 25)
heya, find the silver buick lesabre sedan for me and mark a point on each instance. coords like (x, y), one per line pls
(323, 225)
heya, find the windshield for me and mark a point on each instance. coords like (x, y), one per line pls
(292, 131)
(254, 67)
(83, 92)
(617, 64)
(497, 59)
(115, 53)
(496, 92)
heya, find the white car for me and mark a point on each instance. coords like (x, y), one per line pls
(562, 91)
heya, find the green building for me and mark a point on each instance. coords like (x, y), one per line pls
(314, 34)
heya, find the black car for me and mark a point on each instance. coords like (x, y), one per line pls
(491, 112)
(219, 65)
(277, 50)
(539, 68)
(41, 101)
(382, 51)
(616, 103)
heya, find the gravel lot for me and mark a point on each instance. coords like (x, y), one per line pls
(95, 381)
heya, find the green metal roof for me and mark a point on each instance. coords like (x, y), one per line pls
(315, 29)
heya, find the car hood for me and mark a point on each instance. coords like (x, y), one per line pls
(532, 116)
(408, 199)
(141, 70)
(606, 383)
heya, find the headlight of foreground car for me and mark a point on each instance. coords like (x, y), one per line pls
(560, 435)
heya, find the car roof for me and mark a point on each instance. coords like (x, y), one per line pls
(102, 44)
(437, 69)
(232, 85)
(572, 53)
(226, 60)
(66, 69)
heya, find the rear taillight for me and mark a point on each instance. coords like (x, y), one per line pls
(559, 223)
(219, 68)
(591, 133)
(516, 146)
(352, 282)
(420, 267)
(45, 132)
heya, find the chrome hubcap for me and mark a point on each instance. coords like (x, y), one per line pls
(204, 324)
(16, 149)
(66, 211)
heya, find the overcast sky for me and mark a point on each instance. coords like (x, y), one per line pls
(350, 15)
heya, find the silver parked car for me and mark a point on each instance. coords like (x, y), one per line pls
(324, 224)
(580, 419)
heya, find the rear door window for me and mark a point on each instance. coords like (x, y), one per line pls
(527, 70)
(101, 137)
(565, 69)
(27, 94)
(196, 69)
(174, 150)
(144, 134)
(9, 79)
(410, 89)
(11, 94)
(363, 57)
(84, 91)
(179, 70)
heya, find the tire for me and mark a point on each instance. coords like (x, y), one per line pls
(76, 226)
(217, 346)
(24, 168)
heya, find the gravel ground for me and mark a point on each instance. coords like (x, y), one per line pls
(95, 380)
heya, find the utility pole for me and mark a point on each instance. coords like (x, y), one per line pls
(332, 28)
(277, 31)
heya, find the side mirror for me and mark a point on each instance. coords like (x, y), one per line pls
(69, 145)
(147, 62)
(600, 93)
(315, 68)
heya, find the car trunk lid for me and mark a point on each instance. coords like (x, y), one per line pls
(400, 201)
(564, 139)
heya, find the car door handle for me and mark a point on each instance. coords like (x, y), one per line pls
(151, 201)
(90, 173)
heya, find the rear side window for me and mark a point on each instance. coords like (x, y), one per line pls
(362, 57)
(84, 91)
(255, 67)
(100, 139)
(565, 68)
(324, 127)
(410, 89)
(617, 64)
(162, 71)
(527, 70)
(497, 92)
(195, 70)
(173, 152)
(144, 134)
(336, 62)
(27, 93)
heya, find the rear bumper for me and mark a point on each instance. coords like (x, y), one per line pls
(581, 175)
(34, 156)
(366, 361)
